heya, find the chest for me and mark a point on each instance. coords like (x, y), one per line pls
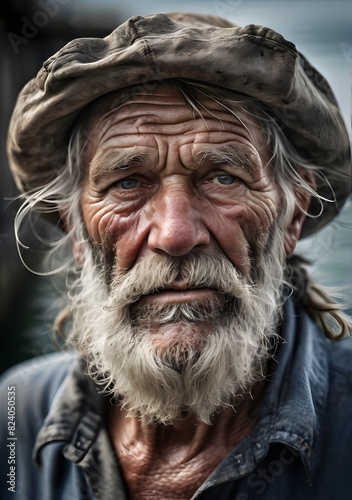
(171, 462)
(175, 475)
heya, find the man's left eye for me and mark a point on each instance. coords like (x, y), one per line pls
(225, 179)
(128, 184)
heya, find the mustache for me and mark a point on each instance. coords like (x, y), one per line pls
(197, 269)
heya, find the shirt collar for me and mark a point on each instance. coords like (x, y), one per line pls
(76, 415)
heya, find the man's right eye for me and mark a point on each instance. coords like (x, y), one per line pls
(128, 184)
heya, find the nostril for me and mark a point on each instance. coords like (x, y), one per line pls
(177, 239)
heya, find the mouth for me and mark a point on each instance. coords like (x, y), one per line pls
(179, 293)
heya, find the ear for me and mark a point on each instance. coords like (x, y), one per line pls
(294, 227)
(77, 250)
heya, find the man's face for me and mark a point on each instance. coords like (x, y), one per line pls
(181, 210)
(163, 181)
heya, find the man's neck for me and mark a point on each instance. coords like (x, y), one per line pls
(172, 461)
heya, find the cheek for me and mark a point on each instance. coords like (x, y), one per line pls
(240, 228)
(261, 212)
(128, 234)
(119, 232)
(97, 215)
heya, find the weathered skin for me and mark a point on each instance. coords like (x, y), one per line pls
(170, 201)
(172, 462)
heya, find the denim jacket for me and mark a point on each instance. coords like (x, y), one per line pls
(300, 447)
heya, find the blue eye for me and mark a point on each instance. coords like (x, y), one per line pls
(225, 179)
(128, 184)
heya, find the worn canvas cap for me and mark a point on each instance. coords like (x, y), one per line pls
(252, 60)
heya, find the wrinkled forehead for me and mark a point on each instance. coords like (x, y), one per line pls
(174, 102)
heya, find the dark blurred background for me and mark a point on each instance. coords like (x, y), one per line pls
(32, 30)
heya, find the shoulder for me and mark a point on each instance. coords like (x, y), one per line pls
(341, 356)
(340, 377)
(336, 420)
(34, 383)
(43, 369)
(334, 355)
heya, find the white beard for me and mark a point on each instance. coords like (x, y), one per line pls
(113, 333)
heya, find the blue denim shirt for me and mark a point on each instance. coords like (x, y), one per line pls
(300, 448)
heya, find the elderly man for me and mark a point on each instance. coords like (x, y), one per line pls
(184, 157)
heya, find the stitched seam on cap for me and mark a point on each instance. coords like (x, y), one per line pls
(146, 46)
(148, 54)
(135, 34)
(269, 43)
(256, 39)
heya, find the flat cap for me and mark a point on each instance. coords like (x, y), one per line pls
(252, 60)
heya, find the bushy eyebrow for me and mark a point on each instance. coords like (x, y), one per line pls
(115, 159)
(240, 157)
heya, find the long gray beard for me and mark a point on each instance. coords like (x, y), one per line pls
(113, 332)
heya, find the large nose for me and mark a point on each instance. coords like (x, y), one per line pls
(177, 223)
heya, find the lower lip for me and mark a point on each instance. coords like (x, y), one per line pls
(181, 296)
